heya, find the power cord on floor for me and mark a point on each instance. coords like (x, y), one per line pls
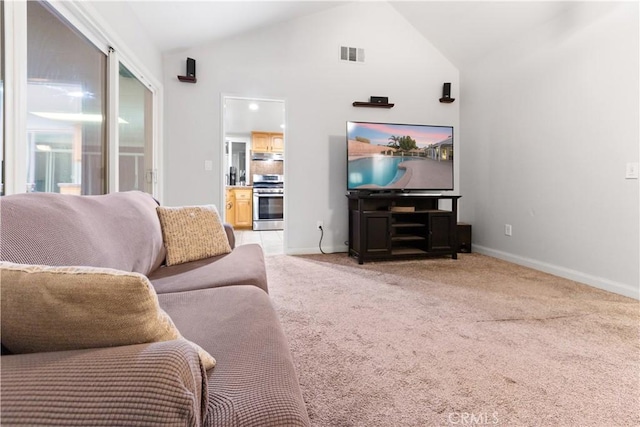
(321, 236)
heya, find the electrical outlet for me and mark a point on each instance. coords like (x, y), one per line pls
(507, 229)
(319, 225)
(632, 170)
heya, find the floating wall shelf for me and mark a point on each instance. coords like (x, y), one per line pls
(372, 104)
(187, 79)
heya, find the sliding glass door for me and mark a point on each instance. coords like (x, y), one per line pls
(76, 115)
(135, 137)
(66, 103)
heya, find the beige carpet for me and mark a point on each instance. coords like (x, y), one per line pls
(440, 342)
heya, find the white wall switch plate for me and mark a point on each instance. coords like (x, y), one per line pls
(208, 165)
(632, 170)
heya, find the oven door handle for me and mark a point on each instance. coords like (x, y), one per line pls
(268, 195)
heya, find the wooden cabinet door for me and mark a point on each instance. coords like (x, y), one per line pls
(244, 211)
(229, 212)
(260, 142)
(376, 233)
(277, 143)
(440, 236)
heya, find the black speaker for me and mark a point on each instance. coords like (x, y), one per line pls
(191, 67)
(446, 93)
(464, 237)
(446, 90)
(379, 99)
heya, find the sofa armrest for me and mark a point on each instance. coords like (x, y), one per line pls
(228, 228)
(147, 384)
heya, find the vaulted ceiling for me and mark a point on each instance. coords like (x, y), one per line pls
(181, 24)
(462, 30)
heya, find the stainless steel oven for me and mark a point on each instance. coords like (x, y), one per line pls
(268, 202)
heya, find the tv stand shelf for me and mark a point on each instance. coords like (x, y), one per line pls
(386, 226)
(408, 224)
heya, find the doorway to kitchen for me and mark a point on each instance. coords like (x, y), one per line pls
(253, 164)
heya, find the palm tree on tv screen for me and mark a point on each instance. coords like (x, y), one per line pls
(402, 143)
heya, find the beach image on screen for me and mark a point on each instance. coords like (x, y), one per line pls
(383, 156)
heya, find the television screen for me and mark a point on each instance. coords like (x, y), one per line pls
(392, 156)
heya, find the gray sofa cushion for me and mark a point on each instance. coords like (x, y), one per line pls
(254, 382)
(119, 230)
(243, 266)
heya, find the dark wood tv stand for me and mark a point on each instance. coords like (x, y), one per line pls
(386, 226)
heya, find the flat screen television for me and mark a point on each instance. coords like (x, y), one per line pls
(399, 157)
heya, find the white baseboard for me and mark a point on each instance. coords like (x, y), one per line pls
(578, 276)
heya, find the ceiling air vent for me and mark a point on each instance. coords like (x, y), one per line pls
(353, 54)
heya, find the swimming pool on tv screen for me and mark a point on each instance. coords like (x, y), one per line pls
(376, 171)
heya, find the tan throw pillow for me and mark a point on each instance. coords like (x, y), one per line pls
(68, 308)
(191, 233)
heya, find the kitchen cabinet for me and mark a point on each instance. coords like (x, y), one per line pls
(244, 213)
(277, 143)
(267, 142)
(239, 207)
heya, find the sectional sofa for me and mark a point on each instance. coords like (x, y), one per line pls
(216, 306)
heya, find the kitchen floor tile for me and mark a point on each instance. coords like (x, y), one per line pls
(271, 240)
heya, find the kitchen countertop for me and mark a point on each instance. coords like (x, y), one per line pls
(240, 186)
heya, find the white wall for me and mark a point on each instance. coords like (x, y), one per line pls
(124, 33)
(549, 124)
(299, 61)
